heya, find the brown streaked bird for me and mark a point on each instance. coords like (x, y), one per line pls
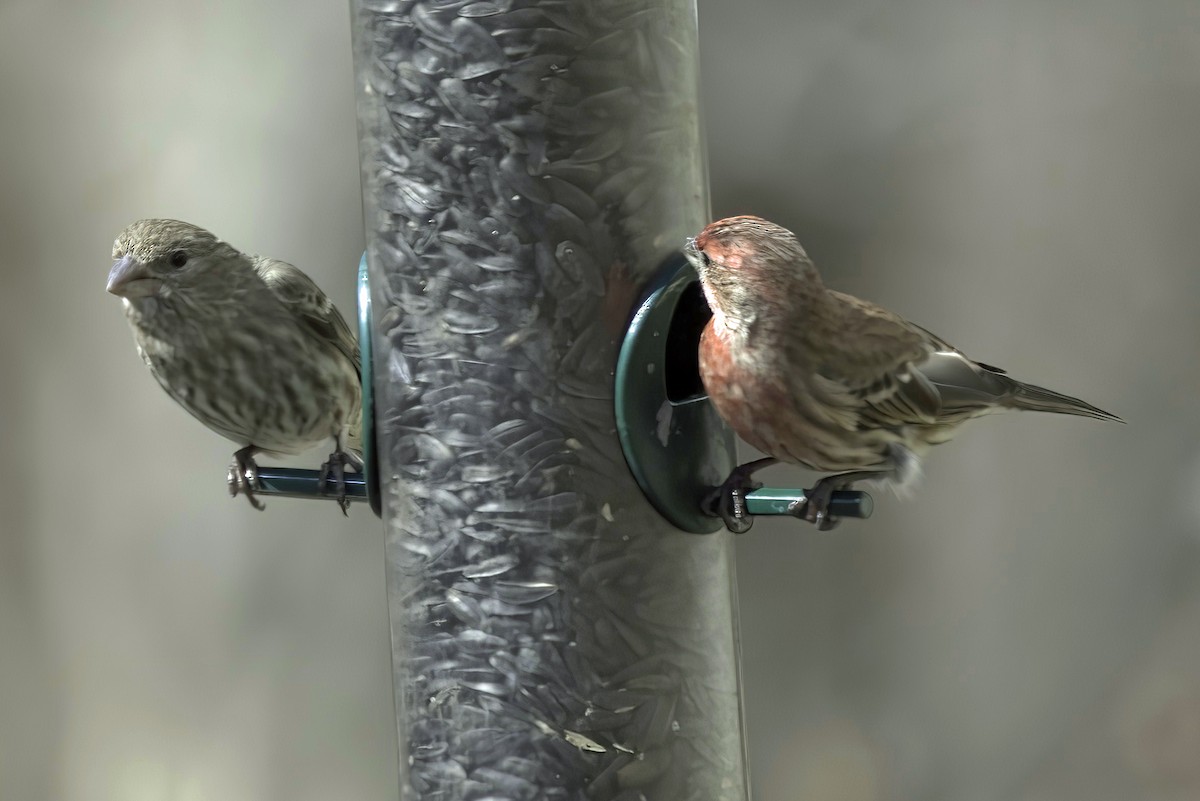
(819, 378)
(249, 345)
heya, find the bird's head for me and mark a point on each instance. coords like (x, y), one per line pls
(159, 258)
(745, 263)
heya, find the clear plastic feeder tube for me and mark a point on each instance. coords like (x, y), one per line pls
(526, 167)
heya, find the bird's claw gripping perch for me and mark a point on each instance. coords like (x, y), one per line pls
(728, 501)
(334, 471)
(815, 506)
(815, 509)
(243, 477)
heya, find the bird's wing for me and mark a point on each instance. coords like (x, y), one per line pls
(905, 374)
(301, 294)
(875, 356)
(943, 345)
(964, 385)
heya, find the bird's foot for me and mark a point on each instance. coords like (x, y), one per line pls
(728, 501)
(334, 471)
(815, 506)
(243, 476)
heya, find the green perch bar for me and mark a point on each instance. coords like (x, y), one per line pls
(773, 501)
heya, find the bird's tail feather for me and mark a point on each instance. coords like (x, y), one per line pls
(1040, 399)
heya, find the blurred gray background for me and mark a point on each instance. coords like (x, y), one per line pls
(1022, 178)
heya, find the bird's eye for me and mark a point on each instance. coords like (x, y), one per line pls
(177, 259)
(706, 259)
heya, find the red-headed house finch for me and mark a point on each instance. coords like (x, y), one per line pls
(250, 346)
(819, 378)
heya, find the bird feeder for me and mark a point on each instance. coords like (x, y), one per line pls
(527, 168)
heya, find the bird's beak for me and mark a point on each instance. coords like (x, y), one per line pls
(130, 278)
(692, 252)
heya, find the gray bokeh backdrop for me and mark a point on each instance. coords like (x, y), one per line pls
(1022, 178)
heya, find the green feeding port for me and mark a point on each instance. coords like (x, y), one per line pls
(676, 445)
